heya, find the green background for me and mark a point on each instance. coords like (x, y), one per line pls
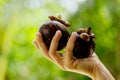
(20, 20)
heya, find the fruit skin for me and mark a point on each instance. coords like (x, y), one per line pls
(84, 44)
(83, 48)
(49, 29)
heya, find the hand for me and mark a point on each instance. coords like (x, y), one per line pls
(87, 66)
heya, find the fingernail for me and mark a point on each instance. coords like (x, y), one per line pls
(74, 35)
(34, 42)
(58, 32)
(37, 34)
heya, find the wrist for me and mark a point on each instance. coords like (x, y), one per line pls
(101, 73)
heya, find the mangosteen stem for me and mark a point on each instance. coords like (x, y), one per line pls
(53, 18)
(89, 30)
(90, 33)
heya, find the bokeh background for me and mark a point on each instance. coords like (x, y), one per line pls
(20, 20)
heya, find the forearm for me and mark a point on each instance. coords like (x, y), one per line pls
(101, 73)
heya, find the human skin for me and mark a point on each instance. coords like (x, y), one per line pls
(91, 66)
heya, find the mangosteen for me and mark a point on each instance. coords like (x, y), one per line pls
(48, 30)
(84, 44)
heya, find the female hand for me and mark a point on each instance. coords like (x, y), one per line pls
(87, 66)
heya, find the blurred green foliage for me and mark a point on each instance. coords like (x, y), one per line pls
(20, 20)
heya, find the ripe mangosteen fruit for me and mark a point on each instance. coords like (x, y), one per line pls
(48, 30)
(84, 44)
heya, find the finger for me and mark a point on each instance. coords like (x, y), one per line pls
(42, 46)
(53, 48)
(41, 43)
(35, 44)
(54, 42)
(69, 48)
